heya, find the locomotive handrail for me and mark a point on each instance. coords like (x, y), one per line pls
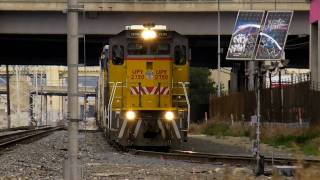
(114, 87)
(187, 99)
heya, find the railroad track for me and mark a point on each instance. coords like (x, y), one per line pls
(220, 158)
(17, 137)
(21, 128)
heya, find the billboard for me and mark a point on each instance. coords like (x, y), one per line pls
(245, 35)
(314, 11)
(274, 35)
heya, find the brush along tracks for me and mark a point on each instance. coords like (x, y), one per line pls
(17, 137)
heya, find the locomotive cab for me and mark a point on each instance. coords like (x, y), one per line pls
(145, 87)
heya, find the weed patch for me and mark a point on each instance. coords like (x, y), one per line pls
(224, 129)
(303, 139)
(306, 140)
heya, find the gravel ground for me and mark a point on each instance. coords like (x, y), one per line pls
(38, 160)
(102, 162)
(43, 159)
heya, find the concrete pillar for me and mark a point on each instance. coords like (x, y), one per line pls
(250, 70)
(233, 80)
(314, 54)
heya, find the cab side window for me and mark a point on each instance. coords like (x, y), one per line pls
(104, 57)
(180, 55)
(117, 55)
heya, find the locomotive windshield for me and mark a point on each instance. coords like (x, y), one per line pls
(160, 49)
(139, 48)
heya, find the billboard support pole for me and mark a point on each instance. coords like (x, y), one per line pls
(219, 53)
(251, 70)
(259, 158)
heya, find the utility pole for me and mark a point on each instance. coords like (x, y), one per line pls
(260, 167)
(46, 108)
(72, 170)
(251, 73)
(41, 96)
(18, 91)
(219, 53)
(8, 97)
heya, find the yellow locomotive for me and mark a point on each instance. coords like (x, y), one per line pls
(142, 94)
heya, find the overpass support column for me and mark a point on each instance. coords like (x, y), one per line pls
(234, 81)
(314, 55)
(72, 167)
(251, 71)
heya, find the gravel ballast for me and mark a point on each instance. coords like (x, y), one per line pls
(43, 159)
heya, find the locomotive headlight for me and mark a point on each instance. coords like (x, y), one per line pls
(148, 34)
(130, 115)
(169, 115)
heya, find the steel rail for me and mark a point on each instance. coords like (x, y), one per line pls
(220, 158)
(18, 128)
(247, 157)
(9, 139)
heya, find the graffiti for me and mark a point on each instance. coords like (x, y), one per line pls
(239, 44)
(273, 36)
(245, 35)
(276, 24)
(242, 44)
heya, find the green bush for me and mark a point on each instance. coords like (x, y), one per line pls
(310, 149)
(225, 129)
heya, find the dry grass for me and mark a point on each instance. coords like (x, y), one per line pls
(225, 129)
(196, 128)
(309, 173)
(306, 139)
(275, 131)
(301, 141)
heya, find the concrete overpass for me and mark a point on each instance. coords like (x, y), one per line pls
(107, 17)
(33, 31)
(155, 5)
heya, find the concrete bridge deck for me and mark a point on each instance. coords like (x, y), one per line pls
(156, 5)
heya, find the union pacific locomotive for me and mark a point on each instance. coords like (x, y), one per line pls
(143, 87)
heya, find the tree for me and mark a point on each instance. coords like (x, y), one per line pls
(199, 91)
